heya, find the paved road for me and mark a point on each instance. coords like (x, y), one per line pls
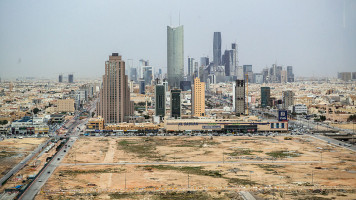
(247, 196)
(20, 165)
(334, 142)
(44, 176)
(196, 162)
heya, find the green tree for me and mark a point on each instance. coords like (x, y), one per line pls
(352, 118)
(92, 114)
(322, 118)
(36, 110)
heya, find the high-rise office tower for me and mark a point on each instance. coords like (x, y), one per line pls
(288, 99)
(247, 68)
(147, 74)
(240, 102)
(114, 103)
(160, 97)
(235, 60)
(240, 73)
(190, 66)
(227, 61)
(185, 85)
(290, 75)
(70, 78)
(175, 55)
(176, 103)
(204, 61)
(198, 98)
(265, 97)
(60, 78)
(133, 74)
(142, 86)
(217, 48)
(284, 76)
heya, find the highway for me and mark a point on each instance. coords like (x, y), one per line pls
(334, 142)
(37, 184)
(20, 165)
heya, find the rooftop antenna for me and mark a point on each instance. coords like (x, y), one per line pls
(170, 19)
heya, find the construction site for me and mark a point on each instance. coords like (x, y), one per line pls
(280, 167)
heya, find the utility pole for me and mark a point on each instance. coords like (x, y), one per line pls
(223, 157)
(312, 177)
(188, 180)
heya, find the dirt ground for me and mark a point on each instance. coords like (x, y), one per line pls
(227, 163)
(345, 126)
(12, 151)
(32, 168)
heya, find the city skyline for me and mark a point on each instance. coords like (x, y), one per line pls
(47, 39)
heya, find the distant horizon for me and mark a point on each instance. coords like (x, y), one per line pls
(45, 39)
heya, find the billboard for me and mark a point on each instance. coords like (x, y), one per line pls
(282, 115)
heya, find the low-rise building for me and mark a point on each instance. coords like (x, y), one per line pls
(224, 125)
(27, 125)
(300, 109)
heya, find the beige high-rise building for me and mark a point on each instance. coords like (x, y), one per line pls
(198, 98)
(114, 103)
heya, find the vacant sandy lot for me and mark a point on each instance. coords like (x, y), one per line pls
(12, 151)
(345, 126)
(224, 163)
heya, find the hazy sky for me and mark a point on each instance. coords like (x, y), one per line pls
(45, 38)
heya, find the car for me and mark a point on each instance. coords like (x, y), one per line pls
(58, 158)
(40, 180)
(48, 172)
(64, 151)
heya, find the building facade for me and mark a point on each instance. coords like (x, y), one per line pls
(288, 99)
(114, 103)
(175, 55)
(265, 97)
(198, 98)
(176, 103)
(160, 97)
(240, 102)
(70, 78)
(217, 49)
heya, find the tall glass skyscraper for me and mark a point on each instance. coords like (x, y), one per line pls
(217, 48)
(175, 55)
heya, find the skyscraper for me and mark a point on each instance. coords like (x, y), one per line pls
(240, 102)
(198, 98)
(265, 97)
(190, 66)
(204, 61)
(217, 48)
(235, 60)
(175, 55)
(227, 61)
(176, 103)
(142, 86)
(290, 75)
(160, 96)
(114, 103)
(133, 74)
(147, 74)
(70, 78)
(60, 78)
